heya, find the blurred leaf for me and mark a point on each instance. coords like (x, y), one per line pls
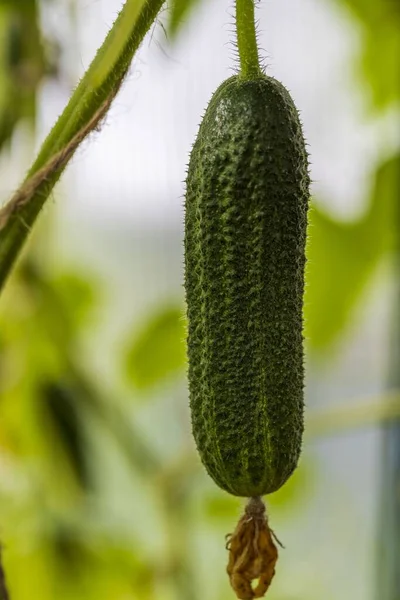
(61, 406)
(67, 558)
(23, 64)
(180, 10)
(76, 295)
(374, 11)
(381, 64)
(64, 301)
(81, 553)
(380, 47)
(295, 491)
(159, 351)
(107, 413)
(342, 257)
(40, 327)
(340, 262)
(219, 506)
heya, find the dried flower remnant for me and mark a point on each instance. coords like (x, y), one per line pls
(252, 553)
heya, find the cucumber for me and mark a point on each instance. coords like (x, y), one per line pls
(247, 196)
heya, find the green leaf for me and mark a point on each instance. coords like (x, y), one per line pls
(85, 111)
(342, 257)
(180, 10)
(159, 351)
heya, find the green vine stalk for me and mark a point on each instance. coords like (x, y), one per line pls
(388, 571)
(84, 112)
(247, 39)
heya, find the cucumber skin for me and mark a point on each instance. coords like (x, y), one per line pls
(247, 196)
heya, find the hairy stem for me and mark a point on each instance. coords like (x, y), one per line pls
(247, 39)
(84, 112)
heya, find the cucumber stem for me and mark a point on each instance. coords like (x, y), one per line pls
(247, 39)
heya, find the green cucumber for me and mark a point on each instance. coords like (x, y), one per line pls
(247, 195)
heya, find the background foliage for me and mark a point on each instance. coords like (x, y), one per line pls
(93, 503)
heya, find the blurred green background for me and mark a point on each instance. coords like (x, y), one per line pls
(102, 494)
